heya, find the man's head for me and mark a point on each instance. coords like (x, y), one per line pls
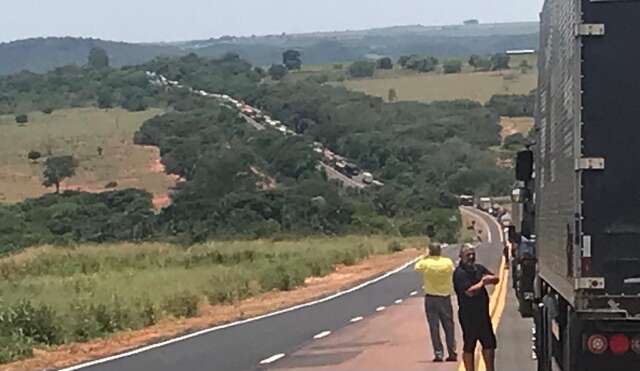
(435, 249)
(467, 255)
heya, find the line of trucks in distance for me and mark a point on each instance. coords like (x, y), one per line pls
(329, 158)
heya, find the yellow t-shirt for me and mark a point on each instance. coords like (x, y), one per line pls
(437, 274)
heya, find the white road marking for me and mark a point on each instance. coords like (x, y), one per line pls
(272, 359)
(356, 319)
(413, 293)
(323, 334)
(380, 309)
(238, 323)
(399, 301)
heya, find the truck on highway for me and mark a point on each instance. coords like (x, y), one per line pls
(367, 178)
(579, 187)
(485, 203)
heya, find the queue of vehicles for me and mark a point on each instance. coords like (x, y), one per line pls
(329, 158)
(575, 203)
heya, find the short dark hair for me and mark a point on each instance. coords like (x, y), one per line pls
(435, 249)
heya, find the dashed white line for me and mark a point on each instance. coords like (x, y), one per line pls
(399, 301)
(272, 359)
(321, 335)
(380, 309)
(356, 319)
(413, 293)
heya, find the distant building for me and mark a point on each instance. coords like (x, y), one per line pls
(521, 52)
(471, 22)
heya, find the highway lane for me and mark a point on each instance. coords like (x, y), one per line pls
(398, 339)
(244, 346)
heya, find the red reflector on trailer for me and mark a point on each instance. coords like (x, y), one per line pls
(586, 266)
(597, 344)
(619, 344)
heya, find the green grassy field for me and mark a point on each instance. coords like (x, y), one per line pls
(79, 132)
(433, 86)
(429, 87)
(76, 294)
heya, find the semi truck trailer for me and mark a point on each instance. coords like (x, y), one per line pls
(580, 187)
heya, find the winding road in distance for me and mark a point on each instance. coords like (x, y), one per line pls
(375, 326)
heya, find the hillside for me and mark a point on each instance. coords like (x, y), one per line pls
(42, 54)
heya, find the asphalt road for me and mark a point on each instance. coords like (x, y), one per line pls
(346, 181)
(397, 339)
(274, 341)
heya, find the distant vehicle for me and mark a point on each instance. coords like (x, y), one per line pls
(352, 169)
(341, 166)
(466, 200)
(485, 204)
(367, 178)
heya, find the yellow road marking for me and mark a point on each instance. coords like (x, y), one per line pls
(496, 308)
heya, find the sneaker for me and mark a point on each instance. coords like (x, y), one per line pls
(437, 359)
(452, 359)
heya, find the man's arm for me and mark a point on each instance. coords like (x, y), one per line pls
(420, 266)
(488, 277)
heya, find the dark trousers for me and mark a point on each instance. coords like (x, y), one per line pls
(440, 312)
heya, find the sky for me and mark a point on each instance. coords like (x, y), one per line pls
(162, 20)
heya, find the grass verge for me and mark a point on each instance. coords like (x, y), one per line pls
(77, 295)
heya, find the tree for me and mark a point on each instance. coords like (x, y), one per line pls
(525, 66)
(291, 59)
(362, 69)
(105, 99)
(515, 141)
(500, 61)
(402, 61)
(22, 118)
(98, 58)
(480, 63)
(384, 63)
(34, 156)
(421, 64)
(452, 66)
(393, 95)
(56, 169)
(278, 72)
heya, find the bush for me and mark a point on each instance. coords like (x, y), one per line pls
(111, 185)
(452, 66)
(14, 347)
(22, 119)
(184, 304)
(37, 324)
(47, 110)
(395, 246)
(34, 155)
(362, 69)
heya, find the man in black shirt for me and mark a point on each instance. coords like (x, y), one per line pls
(469, 281)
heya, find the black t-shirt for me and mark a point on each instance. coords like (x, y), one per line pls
(463, 279)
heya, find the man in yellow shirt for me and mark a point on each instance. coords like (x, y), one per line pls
(437, 273)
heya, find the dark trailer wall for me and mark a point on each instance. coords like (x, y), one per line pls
(611, 130)
(589, 108)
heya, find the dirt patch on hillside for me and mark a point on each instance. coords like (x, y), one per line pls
(342, 278)
(513, 125)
